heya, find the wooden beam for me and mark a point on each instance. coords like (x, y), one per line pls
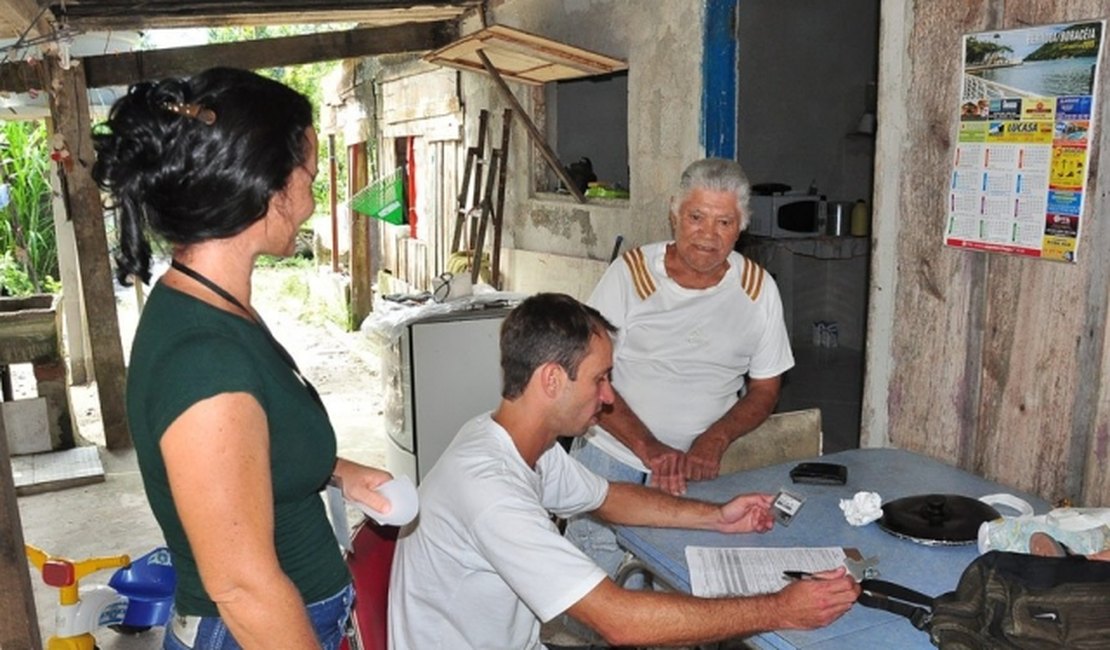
(499, 207)
(333, 202)
(360, 261)
(130, 67)
(26, 18)
(365, 17)
(537, 137)
(19, 624)
(69, 109)
(105, 15)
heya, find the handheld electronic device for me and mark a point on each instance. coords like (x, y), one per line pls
(786, 505)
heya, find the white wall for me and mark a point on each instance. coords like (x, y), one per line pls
(662, 47)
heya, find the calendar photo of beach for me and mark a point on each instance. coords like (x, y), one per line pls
(1052, 60)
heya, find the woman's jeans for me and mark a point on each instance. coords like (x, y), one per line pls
(329, 618)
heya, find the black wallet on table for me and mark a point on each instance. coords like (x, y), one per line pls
(820, 473)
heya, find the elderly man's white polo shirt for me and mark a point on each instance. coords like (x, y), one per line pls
(681, 354)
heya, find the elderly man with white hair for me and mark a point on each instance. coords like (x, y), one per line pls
(699, 354)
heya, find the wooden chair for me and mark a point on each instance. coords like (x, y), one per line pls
(784, 436)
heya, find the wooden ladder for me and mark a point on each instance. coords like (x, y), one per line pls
(478, 206)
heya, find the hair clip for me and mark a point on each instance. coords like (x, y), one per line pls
(195, 111)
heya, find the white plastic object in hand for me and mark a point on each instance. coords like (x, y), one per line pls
(403, 502)
(1082, 530)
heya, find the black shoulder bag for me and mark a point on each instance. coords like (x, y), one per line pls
(1009, 600)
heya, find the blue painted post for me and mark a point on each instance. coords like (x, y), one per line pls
(718, 106)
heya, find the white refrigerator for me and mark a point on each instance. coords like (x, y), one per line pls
(442, 371)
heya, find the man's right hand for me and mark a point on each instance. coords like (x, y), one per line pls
(668, 467)
(816, 602)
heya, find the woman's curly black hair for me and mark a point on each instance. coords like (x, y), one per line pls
(187, 177)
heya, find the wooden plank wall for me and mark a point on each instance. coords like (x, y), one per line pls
(991, 362)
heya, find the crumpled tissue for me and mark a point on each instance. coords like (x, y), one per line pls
(863, 508)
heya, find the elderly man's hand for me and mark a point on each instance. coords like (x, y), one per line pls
(703, 461)
(668, 466)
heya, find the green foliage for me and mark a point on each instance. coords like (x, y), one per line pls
(287, 286)
(15, 281)
(306, 79)
(291, 262)
(27, 222)
(50, 285)
(13, 278)
(979, 51)
(302, 78)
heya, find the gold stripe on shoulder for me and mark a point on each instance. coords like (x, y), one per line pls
(751, 278)
(641, 278)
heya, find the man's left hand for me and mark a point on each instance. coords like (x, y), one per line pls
(703, 461)
(747, 513)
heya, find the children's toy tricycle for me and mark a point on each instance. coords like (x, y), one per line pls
(137, 597)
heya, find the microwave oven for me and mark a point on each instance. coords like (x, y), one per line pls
(787, 215)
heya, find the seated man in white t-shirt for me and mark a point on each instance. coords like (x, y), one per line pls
(699, 326)
(485, 564)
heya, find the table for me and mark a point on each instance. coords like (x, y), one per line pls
(893, 473)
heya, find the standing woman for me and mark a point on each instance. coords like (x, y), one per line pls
(233, 443)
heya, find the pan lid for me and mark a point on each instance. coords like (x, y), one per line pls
(936, 519)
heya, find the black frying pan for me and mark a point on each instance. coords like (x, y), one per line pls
(936, 519)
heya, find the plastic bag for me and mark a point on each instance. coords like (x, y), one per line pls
(1082, 530)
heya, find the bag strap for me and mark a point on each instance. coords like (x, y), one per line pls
(914, 605)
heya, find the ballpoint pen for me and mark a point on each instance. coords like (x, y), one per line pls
(797, 575)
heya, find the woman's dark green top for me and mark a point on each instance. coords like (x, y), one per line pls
(186, 351)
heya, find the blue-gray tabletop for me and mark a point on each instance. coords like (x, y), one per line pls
(892, 473)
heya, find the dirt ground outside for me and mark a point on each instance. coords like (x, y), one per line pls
(342, 365)
(113, 517)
